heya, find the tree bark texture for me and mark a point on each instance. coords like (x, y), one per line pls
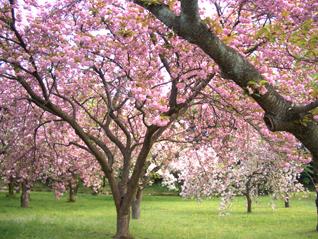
(11, 191)
(248, 203)
(315, 181)
(286, 201)
(135, 206)
(317, 209)
(72, 193)
(25, 195)
(122, 231)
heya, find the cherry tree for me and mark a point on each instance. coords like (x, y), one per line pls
(69, 172)
(30, 151)
(284, 182)
(266, 48)
(248, 172)
(21, 159)
(69, 164)
(80, 62)
(227, 154)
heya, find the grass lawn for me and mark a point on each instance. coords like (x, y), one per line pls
(163, 217)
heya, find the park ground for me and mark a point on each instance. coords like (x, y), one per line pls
(163, 217)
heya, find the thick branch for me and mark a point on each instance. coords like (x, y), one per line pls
(162, 12)
(189, 9)
(304, 108)
(140, 162)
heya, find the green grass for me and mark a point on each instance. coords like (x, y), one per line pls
(163, 217)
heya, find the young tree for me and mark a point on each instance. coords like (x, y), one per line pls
(285, 182)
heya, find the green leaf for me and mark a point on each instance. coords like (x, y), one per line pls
(263, 82)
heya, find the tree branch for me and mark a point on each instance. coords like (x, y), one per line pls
(304, 108)
(162, 11)
(189, 9)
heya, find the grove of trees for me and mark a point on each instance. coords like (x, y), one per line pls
(105, 88)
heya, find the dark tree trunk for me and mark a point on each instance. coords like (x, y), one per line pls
(104, 181)
(72, 192)
(11, 189)
(135, 206)
(25, 195)
(123, 226)
(17, 188)
(72, 195)
(249, 203)
(317, 209)
(248, 195)
(315, 181)
(286, 202)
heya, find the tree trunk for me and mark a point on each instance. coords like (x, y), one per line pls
(72, 192)
(248, 195)
(135, 206)
(25, 195)
(317, 209)
(10, 189)
(286, 202)
(315, 181)
(249, 203)
(17, 188)
(123, 226)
